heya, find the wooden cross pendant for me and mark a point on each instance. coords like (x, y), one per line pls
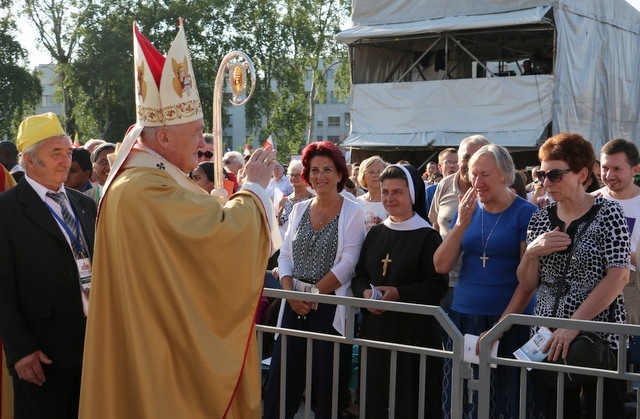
(484, 258)
(385, 262)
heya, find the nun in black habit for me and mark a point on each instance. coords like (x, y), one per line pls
(396, 264)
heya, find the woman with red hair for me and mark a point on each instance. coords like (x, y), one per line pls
(319, 254)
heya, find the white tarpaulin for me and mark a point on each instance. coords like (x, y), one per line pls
(511, 111)
(594, 90)
(381, 12)
(449, 23)
(597, 90)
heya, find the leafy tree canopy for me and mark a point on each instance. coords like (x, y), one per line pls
(21, 89)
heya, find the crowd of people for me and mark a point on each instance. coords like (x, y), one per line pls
(512, 263)
(118, 297)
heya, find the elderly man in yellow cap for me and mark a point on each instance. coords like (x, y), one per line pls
(171, 323)
(46, 243)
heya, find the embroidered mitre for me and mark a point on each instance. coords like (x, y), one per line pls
(165, 87)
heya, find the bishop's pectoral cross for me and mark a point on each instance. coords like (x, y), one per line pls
(484, 258)
(385, 262)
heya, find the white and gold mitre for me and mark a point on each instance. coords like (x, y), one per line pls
(166, 90)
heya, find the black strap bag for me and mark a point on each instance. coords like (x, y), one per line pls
(588, 349)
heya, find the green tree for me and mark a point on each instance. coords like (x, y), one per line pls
(102, 74)
(58, 24)
(21, 89)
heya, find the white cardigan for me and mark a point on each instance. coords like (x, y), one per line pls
(351, 232)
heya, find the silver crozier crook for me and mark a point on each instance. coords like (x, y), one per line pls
(238, 64)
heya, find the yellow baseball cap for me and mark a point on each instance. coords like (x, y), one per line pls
(38, 128)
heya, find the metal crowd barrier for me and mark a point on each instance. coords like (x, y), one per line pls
(482, 383)
(461, 371)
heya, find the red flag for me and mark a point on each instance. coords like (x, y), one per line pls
(247, 150)
(269, 141)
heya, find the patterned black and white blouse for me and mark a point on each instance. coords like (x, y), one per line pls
(605, 244)
(314, 251)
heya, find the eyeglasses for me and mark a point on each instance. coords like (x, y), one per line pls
(294, 175)
(372, 172)
(102, 162)
(554, 175)
(208, 154)
(450, 163)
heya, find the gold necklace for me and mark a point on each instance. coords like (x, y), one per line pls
(329, 212)
(484, 256)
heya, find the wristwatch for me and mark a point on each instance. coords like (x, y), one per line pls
(314, 290)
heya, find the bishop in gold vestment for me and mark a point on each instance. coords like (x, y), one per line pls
(177, 277)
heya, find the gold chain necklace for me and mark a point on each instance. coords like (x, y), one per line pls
(329, 213)
(484, 256)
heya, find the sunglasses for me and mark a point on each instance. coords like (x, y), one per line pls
(208, 154)
(554, 175)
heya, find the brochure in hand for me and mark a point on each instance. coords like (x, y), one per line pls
(532, 350)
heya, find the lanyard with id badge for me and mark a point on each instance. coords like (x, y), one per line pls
(79, 253)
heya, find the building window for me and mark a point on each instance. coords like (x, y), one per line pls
(320, 123)
(333, 97)
(319, 138)
(334, 121)
(347, 119)
(334, 138)
(230, 121)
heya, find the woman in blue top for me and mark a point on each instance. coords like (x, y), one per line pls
(490, 231)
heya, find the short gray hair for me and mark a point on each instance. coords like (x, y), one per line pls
(294, 164)
(480, 140)
(503, 161)
(234, 156)
(149, 133)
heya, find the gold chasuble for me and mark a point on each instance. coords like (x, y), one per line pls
(176, 284)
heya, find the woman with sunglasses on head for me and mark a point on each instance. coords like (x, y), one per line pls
(371, 202)
(489, 230)
(591, 235)
(318, 255)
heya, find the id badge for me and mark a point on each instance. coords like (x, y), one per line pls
(84, 269)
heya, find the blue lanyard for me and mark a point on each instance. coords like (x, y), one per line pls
(76, 243)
